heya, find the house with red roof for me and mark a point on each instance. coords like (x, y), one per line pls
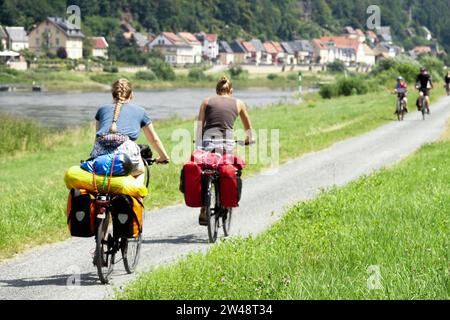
(99, 47)
(176, 50)
(195, 43)
(276, 51)
(210, 45)
(254, 55)
(343, 48)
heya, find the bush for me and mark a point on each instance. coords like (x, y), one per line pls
(337, 67)
(328, 91)
(433, 65)
(352, 86)
(386, 71)
(272, 76)
(163, 70)
(344, 87)
(111, 69)
(237, 73)
(146, 75)
(196, 74)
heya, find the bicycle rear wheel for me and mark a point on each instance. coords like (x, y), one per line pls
(212, 213)
(226, 220)
(104, 253)
(131, 252)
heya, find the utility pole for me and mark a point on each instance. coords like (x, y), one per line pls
(300, 80)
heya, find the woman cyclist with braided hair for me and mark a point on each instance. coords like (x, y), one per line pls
(119, 124)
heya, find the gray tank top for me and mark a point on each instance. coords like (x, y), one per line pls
(220, 115)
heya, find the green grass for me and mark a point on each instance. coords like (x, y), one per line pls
(33, 194)
(396, 220)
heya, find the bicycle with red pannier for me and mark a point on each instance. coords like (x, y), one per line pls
(212, 181)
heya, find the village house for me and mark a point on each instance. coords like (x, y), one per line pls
(370, 55)
(196, 45)
(419, 51)
(303, 51)
(99, 47)
(175, 50)
(209, 41)
(348, 50)
(261, 54)
(280, 56)
(271, 53)
(131, 34)
(226, 54)
(289, 54)
(17, 38)
(55, 33)
(241, 56)
(254, 57)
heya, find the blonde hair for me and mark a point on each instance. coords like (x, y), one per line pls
(121, 92)
(224, 86)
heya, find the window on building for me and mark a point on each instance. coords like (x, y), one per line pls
(57, 41)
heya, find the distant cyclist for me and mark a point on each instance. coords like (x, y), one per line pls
(216, 122)
(424, 84)
(447, 82)
(401, 89)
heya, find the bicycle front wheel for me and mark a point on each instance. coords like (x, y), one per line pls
(104, 253)
(131, 252)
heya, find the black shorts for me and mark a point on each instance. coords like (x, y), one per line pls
(426, 91)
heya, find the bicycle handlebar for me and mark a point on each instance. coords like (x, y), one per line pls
(239, 142)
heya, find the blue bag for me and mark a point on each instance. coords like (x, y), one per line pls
(102, 165)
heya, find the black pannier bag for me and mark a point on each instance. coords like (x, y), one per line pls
(81, 213)
(127, 215)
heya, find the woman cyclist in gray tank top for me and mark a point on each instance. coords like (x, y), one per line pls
(216, 119)
(215, 124)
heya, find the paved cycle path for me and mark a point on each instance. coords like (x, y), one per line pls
(171, 233)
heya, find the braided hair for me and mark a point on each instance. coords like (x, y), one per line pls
(121, 92)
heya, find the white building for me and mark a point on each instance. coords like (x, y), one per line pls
(174, 49)
(194, 43)
(99, 47)
(210, 49)
(17, 38)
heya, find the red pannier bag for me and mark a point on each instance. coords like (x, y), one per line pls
(230, 185)
(191, 184)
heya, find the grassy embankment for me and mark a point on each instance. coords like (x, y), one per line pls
(395, 221)
(101, 81)
(33, 194)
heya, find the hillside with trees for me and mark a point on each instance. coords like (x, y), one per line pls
(265, 19)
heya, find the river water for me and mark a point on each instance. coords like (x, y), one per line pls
(59, 110)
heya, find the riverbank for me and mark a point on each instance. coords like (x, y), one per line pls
(380, 237)
(33, 194)
(58, 81)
